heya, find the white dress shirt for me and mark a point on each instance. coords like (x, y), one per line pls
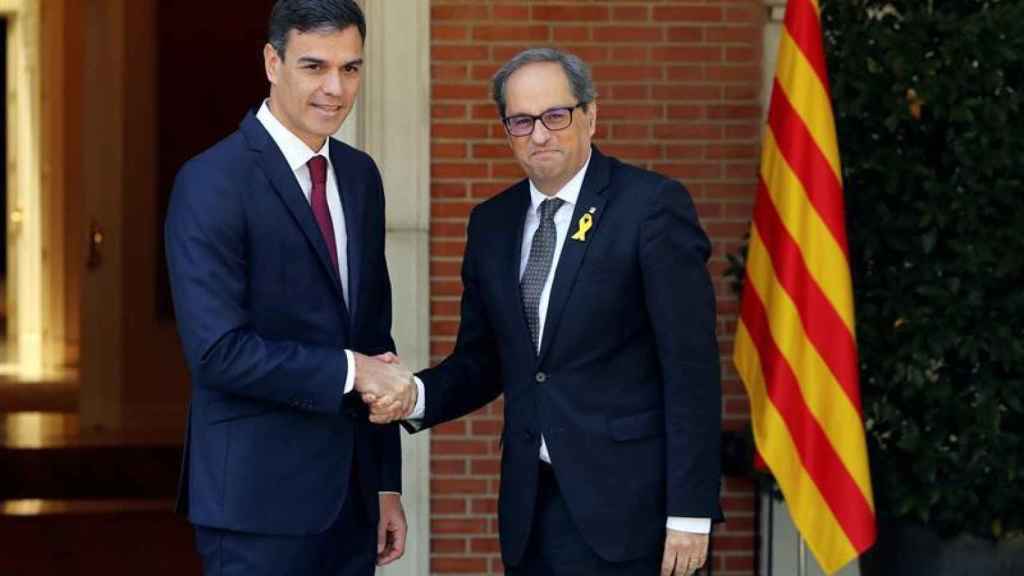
(570, 193)
(297, 154)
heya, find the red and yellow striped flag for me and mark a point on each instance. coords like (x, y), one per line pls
(795, 348)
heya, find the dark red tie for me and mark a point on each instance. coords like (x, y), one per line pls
(318, 199)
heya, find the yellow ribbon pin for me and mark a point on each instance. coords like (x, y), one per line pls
(586, 223)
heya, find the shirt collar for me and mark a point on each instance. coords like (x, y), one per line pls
(570, 193)
(295, 151)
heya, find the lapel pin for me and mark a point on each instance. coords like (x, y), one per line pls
(593, 210)
(585, 224)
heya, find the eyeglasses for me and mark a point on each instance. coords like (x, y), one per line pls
(553, 119)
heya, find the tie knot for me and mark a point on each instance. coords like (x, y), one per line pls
(318, 169)
(549, 207)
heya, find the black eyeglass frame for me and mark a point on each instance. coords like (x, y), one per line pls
(533, 124)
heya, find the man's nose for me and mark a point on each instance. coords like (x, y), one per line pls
(540, 133)
(333, 85)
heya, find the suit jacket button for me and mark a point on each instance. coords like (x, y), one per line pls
(541, 377)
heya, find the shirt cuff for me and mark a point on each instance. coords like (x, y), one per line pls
(694, 525)
(421, 401)
(389, 492)
(350, 374)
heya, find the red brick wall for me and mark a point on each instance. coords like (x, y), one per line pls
(679, 86)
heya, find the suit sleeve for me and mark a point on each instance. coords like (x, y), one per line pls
(681, 308)
(205, 236)
(470, 376)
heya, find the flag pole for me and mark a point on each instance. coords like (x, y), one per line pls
(801, 568)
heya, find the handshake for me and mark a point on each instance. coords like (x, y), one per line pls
(386, 386)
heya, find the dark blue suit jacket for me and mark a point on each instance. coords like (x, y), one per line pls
(626, 387)
(271, 441)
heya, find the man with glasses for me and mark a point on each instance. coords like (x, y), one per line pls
(588, 304)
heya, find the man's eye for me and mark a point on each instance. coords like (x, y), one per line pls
(520, 121)
(556, 117)
(313, 67)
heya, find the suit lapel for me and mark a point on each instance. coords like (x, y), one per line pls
(287, 188)
(520, 206)
(352, 204)
(591, 200)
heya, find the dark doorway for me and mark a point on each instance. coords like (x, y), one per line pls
(209, 74)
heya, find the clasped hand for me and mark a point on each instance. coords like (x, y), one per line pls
(386, 386)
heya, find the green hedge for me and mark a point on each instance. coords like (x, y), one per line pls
(928, 103)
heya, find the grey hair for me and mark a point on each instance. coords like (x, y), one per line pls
(576, 70)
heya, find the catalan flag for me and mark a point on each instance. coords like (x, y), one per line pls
(795, 348)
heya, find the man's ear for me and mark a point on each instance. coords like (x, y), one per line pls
(271, 62)
(592, 116)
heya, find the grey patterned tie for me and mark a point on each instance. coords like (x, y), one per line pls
(542, 250)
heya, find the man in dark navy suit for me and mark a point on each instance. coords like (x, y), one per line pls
(587, 302)
(275, 246)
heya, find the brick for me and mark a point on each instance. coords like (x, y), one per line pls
(571, 13)
(484, 546)
(628, 34)
(490, 151)
(685, 34)
(448, 190)
(629, 73)
(630, 13)
(447, 248)
(487, 189)
(439, 111)
(448, 33)
(472, 131)
(488, 427)
(732, 34)
(733, 151)
(684, 151)
(462, 447)
(504, 12)
(448, 545)
(742, 92)
(744, 14)
(451, 209)
(503, 33)
(628, 92)
(685, 73)
(449, 72)
(444, 328)
(448, 506)
(452, 428)
(458, 91)
(688, 13)
(458, 170)
(590, 54)
(634, 152)
(459, 526)
(678, 54)
(630, 52)
(458, 486)
(571, 33)
(741, 54)
(740, 73)
(448, 150)
(688, 131)
(489, 467)
(631, 132)
(444, 308)
(691, 92)
(457, 565)
(484, 506)
(688, 112)
(632, 112)
(458, 52)
(459, 12)
(484, 73)
(734, 111)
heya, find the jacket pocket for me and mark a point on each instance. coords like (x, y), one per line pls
(637, 426)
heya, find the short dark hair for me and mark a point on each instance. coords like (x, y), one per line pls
(576, 70)
(316, 15)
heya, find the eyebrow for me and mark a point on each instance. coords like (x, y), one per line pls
(320, 61)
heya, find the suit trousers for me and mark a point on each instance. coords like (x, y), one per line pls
(347, 548)
(556, 547)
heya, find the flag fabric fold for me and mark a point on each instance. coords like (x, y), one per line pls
(795, 346)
